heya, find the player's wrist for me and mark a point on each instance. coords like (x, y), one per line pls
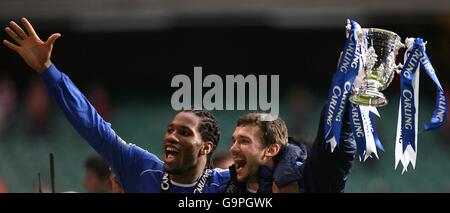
(43, 67)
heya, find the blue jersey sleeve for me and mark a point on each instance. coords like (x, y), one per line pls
(127, 160)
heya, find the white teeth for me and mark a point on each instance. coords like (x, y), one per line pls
(171, 149)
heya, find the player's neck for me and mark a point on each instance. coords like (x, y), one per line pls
(192, 175)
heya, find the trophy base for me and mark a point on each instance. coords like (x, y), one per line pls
(369, 98)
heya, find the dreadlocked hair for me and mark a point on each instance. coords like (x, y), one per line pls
(209, 129)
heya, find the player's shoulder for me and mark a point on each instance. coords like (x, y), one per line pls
(138, 152)
(220, 175)
(144, 158)
(220, 171)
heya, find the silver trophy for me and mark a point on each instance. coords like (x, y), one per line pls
(379, 50)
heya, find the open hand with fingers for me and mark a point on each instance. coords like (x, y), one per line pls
(35, 52)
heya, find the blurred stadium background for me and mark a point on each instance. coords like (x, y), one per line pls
(123, 54)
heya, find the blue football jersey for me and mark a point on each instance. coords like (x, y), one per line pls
(136, 169)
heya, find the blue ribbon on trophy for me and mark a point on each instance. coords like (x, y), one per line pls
(360, 117)
(364, 130)
(341, 85)
(366, 67)
(374, 132)
(407, 124)
(358, 129)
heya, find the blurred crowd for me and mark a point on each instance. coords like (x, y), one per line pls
(35, 106)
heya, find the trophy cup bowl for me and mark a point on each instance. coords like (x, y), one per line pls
(379, 50)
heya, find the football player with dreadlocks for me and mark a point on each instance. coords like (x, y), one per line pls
(190, 139)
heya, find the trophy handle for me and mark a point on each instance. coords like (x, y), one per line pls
(399, 45)
(348, 27)
(399, 68)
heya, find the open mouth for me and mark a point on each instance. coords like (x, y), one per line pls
(240, 164)
(170, 153)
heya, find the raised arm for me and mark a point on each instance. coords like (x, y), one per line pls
(29, 46)
(126, 159)
(325, 171)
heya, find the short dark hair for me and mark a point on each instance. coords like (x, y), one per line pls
(99, 166)
(274, 131)
(208, 127)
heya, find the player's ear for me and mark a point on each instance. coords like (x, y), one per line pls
(272, 150)
(207, 148)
